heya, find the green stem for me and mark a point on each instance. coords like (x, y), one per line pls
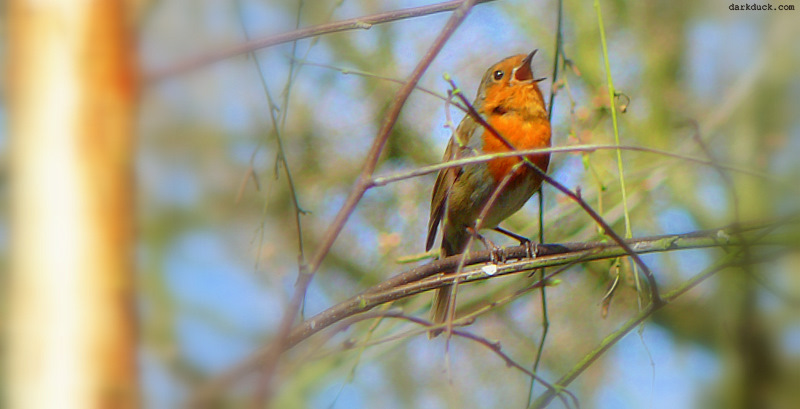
(611, 93)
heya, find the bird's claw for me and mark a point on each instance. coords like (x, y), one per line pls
(531, 249)
(498, 255)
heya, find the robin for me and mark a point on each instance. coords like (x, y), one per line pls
(508, 99)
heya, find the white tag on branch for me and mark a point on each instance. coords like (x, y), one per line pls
(489, 269)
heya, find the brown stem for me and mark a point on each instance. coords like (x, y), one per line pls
(440, 273)
(363, 23)
(494, 346)
(730, 260)
(384, 180)
(281, 342)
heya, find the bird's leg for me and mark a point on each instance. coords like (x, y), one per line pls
(497, 253)
(522, 239)
(531, 248)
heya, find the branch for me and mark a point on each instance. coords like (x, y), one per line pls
(550, 110)
(384, 180)
(494, 346)
(730, 260)
(363, 183)
(733, 258)
(362, 23)
(439, 273)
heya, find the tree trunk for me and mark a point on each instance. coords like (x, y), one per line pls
(73, 85)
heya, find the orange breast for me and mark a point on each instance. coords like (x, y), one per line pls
(523, 135)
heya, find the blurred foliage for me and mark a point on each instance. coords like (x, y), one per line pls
(219, 250)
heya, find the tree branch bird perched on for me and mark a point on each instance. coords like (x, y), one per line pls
(510, 101)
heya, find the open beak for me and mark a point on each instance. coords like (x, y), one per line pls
(524, 73)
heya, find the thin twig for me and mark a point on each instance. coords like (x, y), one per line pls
(286, 323)
(613, 107)
(357, 23)
(263, 388)
(349, 71)
(384, 180)
(612, 104)
(780, 292)
(494, 346)
(726, 179)
(281, 156)
(550, 109)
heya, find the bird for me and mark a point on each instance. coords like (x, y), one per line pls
(509, 99)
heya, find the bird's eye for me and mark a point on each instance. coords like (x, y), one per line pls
(498, 75)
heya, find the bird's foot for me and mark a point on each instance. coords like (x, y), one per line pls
(497, 254)
(531, 248)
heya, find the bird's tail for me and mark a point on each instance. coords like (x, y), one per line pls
(453, 242)
(439, 307)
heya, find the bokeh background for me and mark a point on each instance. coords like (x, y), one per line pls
(218, 245)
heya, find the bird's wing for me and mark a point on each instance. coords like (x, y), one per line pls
(447, 177)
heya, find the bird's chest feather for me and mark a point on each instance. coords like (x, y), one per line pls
(523, 134)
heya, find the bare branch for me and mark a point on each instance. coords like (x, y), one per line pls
(440, 273)
(732, 259)
(545, 319)
(384, 180)
(357, 23)
(363, 183)
(494, 346)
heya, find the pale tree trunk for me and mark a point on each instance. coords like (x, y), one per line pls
(71, 332)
